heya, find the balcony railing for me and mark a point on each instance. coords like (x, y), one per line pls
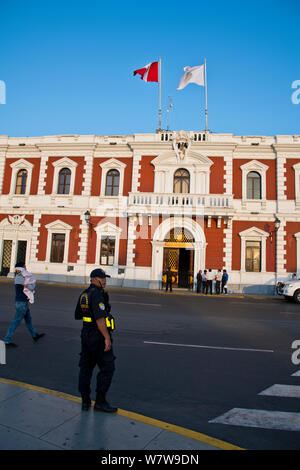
(166, 200)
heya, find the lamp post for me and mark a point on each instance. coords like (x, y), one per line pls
(87, 216)
(277, 226)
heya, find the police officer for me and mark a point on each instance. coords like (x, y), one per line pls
(93, 309)
(169, 275)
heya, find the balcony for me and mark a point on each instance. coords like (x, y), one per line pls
(157, 203)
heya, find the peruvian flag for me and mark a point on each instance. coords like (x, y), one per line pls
(149, 73)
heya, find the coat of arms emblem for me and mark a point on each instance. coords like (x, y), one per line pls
(181, 144)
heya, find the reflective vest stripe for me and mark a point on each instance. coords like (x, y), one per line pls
(87, 319)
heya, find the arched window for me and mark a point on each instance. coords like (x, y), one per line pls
(181, 181)
(21, 182)
(253, 185)
(64, 180)
(112, 183)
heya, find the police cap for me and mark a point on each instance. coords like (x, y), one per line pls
(98, 273)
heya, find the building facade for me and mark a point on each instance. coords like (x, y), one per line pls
(136, 204)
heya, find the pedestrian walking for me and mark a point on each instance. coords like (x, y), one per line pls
(199, 281)
(22, 299)
(93, 309)
(209, 280)
(169, 275)
(218, 281)
(224, 282)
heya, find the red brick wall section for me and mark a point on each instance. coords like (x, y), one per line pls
(74, 221)
(143, 246)
(79, 174)
(34, 178)
(270, 177)
(290, 177)
(239, 226)
(217, 175)
(291, 246)
(215, 239)
(146, 177)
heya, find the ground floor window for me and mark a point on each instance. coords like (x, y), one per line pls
(57, 248)
(107, 251)
(253, 256)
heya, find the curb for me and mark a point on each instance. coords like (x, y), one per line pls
(135, 416)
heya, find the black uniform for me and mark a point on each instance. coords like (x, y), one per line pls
(169, 275)
(93, 304)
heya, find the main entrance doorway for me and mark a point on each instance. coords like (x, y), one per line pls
(179, 257)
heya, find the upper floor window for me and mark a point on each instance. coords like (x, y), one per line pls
(112, 183)
(64, 181)
(253, 185)
(181, 181)
(21, 182)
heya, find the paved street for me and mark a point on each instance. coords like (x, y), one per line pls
(217, 365)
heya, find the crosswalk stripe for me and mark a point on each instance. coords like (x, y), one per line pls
(281, 420)
(278, 390)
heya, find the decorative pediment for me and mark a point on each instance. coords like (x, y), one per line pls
(108, 228)
(253, 233)
(58, 225)
(192, 159)
(20, 164)
(254, 165)
(65, 162)
(113, 163)
(17, 222)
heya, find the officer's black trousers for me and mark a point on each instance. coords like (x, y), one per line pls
(92, 354)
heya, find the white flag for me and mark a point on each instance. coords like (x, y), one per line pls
(192, 75)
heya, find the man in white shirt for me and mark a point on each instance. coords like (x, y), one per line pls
(218, 281)
(209, 280)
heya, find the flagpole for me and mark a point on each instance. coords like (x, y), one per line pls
(159, 93)
(206, 128)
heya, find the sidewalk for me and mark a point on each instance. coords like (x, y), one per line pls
(34, 418)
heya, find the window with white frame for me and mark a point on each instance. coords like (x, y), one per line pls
(108, 242)
(112, 178)
(64, 176)
(253, 250)
(58, 242)
(297, 182)
(254, 181)
(20, 182)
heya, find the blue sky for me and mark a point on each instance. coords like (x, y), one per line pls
(68, 66)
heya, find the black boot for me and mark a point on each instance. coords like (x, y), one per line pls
(86, 403)
(102, 405)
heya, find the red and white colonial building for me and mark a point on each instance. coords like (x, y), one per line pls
(136, 204)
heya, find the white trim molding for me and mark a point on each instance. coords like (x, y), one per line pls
(112, 164)
(58, 226)
(261, 169)
(253, 234)
(107, 229)
(297, 236)
(17, 166)
(297, 184)
(59, 165)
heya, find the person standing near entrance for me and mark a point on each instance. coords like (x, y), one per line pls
(204, 282)
(224, 282)
(22, 307)
(209, 280)
(169, 275)
(218, 281)
(199, 281)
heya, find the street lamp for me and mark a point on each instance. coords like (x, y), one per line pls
(277, 225)
(87, 217)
